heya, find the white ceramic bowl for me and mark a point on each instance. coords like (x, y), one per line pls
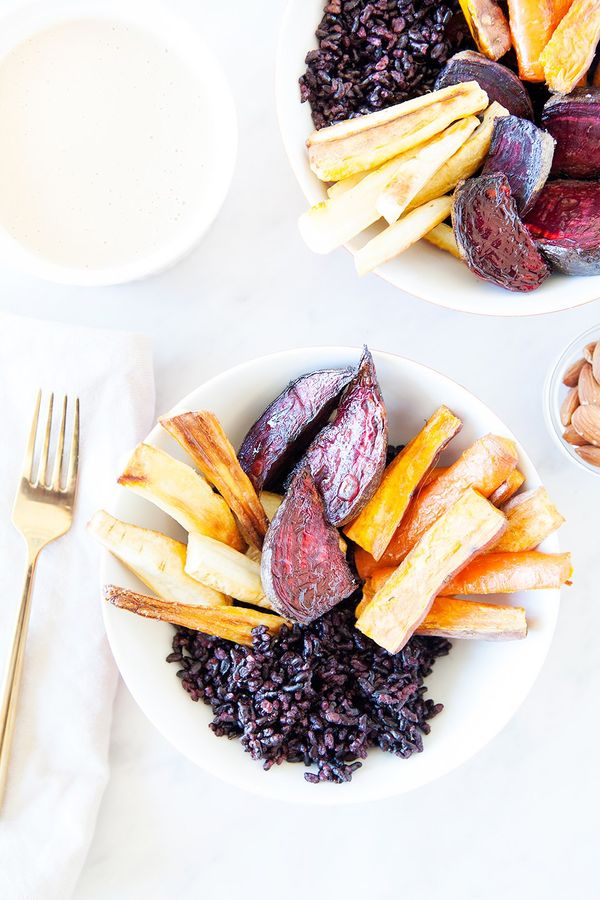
(555, 392)
(481, 684)
(423, 271)
(19, 22)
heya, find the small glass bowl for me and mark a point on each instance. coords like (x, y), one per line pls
(555, 392)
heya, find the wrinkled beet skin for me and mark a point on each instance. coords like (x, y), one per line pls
(289, 424)
(496, 80)
(565, 224)
(574, 122)
(303, 569)
(347, 458)
(523, 152)
(491, 238)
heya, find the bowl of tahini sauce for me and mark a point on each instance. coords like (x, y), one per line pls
(118, 139)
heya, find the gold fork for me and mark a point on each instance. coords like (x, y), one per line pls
(43, 512)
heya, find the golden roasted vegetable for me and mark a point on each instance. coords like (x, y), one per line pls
(483, 466)
(202, 435)
(399, 607)
(366, 142)
(224, 569)
(531, 518)
(395, 239)
(568, 55)
(442, 236)
(452, 618)
(506, 573)
(180, 492)
(508, 488)
(531, 25)
(157, 560)
(233, 623)
(487, 23)
(376, 524)
(465, 161)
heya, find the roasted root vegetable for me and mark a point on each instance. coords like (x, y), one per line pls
(270, 503)
(531, 518)
(493, 242)
(565, 224)
(157, 560)
(483, 466)
(397, 610)
(442, 236)
(574, 123)
(508, 488)
(507, 573)
(232, 623)
(569, 53)
(347, 458)
(289, 423)
(202, 435)
(531, 24)
(498, 81)
(366, 142)
(376, 524)
(523, 152)
(487, 23)
(180, 492)
(395, 239)
(453, 618)
(224, 569)
(304, 572)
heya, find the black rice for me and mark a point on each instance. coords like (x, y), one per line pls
(373, 54)
(318, 694)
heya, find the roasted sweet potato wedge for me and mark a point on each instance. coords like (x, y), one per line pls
(347, 458)
(397, 610)
(453, 618)
(202, 435)
(304, 572)
(508, 488)
(157, 560)
(289, 423)
(221, 567)
(487, 23)
(569, 53)
(531, 518)
(506, 573)
(376, 524)
(182, 493)
(483, 466)
(232, 623)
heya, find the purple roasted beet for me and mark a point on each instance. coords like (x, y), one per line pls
(303, 570)
(496, 80)
(289, 424)
(573, 120)
(347, 457)
(523, 152)
(491, 238)
(565, 224)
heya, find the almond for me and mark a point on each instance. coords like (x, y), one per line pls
(596, 363)
(588, 351)
(573, 437)
(588, 387)
(589, 454)
(586, 422)
(571, 376)
(568, 406)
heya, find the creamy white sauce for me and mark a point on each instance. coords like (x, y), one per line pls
(103, 156)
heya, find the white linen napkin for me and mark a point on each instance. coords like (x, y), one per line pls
(59, 763)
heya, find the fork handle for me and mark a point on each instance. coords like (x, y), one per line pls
(14, 669)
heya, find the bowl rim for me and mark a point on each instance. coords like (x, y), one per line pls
(322, 796)
(486, 299)
(22, 21)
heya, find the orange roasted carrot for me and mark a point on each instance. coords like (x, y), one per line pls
(374, 527)
(451, 617)
(505, 573)
(483, 466)
(531, 518)
(508, 488)
(531, 24)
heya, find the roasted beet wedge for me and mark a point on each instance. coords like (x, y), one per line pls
(496, 80)
(347, 458)
(565, 223)
(303, 570)
(523, 152)
(289, 424)
(574, 123)
(491, 238)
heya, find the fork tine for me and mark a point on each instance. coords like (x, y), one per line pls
(58, 462)
(74, 454)
(43, 471)
(30, 450)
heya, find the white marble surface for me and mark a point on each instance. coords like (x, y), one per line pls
(521, 819)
